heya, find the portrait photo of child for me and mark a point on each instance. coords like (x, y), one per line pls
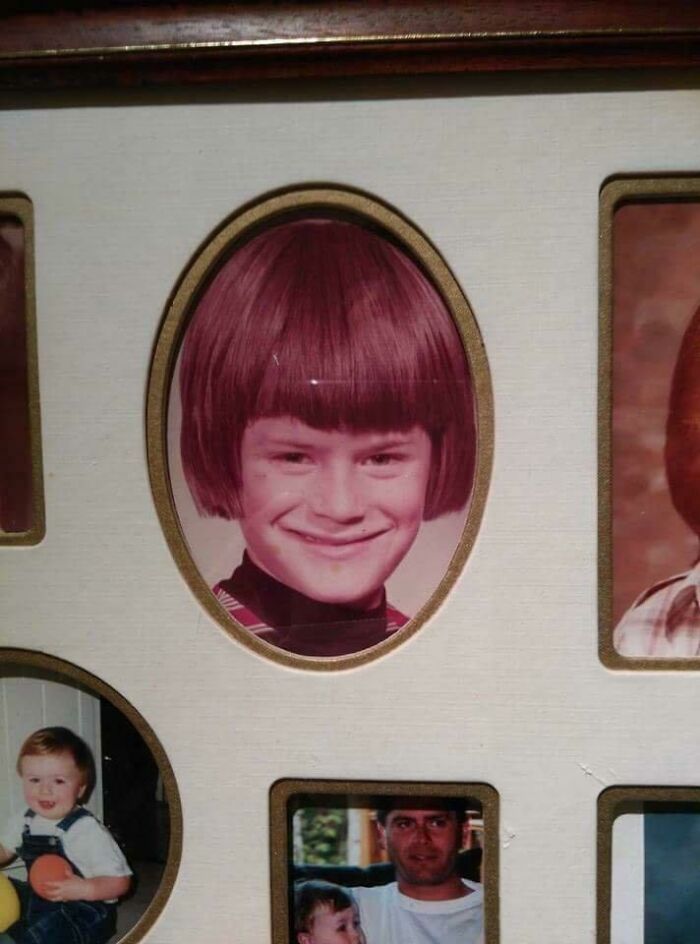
(652, 608)
(325, 408)
(85, 814)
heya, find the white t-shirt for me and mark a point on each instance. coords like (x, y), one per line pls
(388, 917)
(87, 843)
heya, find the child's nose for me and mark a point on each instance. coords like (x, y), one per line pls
(335, 493)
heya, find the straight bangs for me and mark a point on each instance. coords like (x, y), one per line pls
(325, 321)
(360, 340)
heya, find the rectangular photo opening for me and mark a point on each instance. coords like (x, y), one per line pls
(649, 423)
(649, 883)
(365, 862)
(21, 482)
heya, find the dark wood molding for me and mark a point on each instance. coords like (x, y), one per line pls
(124, 43)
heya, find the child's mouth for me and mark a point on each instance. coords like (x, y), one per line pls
(335, 544)
(47, 804)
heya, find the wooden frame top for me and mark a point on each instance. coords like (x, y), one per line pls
(152, 42)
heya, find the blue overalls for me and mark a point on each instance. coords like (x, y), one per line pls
(58, 922)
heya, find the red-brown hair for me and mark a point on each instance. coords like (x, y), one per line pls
(683, 428)
(331, 323)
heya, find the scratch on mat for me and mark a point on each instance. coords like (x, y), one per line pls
(507, 836)
(589, 773)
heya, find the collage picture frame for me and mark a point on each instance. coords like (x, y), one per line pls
(362, 491)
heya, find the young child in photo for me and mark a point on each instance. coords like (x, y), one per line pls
(664, 622)
(325, 913)
(327, 406)
(57, 770)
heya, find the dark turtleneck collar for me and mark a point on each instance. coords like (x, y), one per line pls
(300, 624)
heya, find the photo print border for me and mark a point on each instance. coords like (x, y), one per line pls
(254, 216)
(20, 207)
(16, 662)
(283, 791)
(615, 193)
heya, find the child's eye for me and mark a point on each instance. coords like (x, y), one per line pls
(59, 781)
(384, 459)
(293, 458)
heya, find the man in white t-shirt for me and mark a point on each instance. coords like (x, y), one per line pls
(428, 903)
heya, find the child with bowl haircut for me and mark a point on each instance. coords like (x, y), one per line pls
(327, 405)
(325, 913)
(58, 773)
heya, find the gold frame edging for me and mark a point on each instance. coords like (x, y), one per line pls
(204, 263)
(283, 790)
(19, 659)
(613, 194)
(19, 206)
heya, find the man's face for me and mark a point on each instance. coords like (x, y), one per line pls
(423, 845)
(331, 513)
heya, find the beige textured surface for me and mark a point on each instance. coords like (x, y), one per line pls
(504, 684)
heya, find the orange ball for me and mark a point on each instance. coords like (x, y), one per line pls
(48, 868)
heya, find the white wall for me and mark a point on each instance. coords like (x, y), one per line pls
(28, 704)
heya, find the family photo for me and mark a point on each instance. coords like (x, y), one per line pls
(323, 432)
(84, 815)
(655, 450)
(386, 868)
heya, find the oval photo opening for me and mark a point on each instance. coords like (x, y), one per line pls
(328, 431)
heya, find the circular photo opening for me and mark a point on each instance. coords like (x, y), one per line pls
(90, 821)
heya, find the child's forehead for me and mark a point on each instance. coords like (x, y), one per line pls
(326, 909)
(61, 761)
(291, 428)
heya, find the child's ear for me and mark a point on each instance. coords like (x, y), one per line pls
(81, 791)
(303, 937)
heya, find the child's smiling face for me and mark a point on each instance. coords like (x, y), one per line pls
(334, 927)
(52, 784)
(331, 513)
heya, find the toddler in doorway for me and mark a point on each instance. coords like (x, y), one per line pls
(57, 770)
